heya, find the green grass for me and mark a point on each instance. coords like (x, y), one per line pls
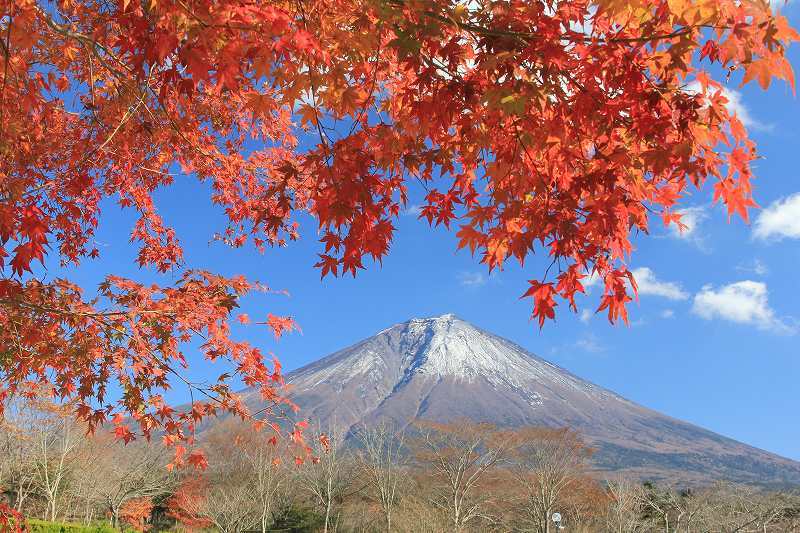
(41, 526)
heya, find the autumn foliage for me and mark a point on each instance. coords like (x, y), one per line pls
(11, 521)
(135, 513)
(557, 127)
(184, 506)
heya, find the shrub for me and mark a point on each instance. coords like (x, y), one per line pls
(297, 520)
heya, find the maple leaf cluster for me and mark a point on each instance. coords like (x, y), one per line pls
(136, 513)
(554, 127)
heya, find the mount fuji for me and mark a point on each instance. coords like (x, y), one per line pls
(445, 369)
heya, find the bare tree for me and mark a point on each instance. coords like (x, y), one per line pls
(246, 481)
(675, 510)
(56, 439)
(231, 501)
(546, 464)
(266, 459)
(465, 477)
(84, 494)
(329, 475)
(688, 505)
(230, 505)
(17, 467)
(657, 505)
(132, 471)
(382, 458)
(583, 504)
(623, 509)
(461, 456)
(739, 509)
(81, 499)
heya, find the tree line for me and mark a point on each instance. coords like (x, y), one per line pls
(427, 476)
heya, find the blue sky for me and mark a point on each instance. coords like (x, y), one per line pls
(713, 340)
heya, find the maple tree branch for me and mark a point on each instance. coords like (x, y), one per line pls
(178, 130)
(128, 114)
(192, 14)
(86, 314)
(191, 386)
(372, 87)
(317, 121)
(102, 317)
(7, 54)
(94, 45)
(529, 36)
(91, 77)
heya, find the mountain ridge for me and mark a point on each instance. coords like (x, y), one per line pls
(444, 368)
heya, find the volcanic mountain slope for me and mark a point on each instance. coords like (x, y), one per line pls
(445, 369)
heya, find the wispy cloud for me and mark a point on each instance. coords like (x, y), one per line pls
(471, 279)
(586, 316)
(650, 285)
(591, 281)
(589, 343)
(413, 210)
(667, 313)
(692, 218)
(780, 220)
(735, 105)
(743, 302)
(756, 266)
(646, 281)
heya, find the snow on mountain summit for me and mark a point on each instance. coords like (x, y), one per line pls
(448, 346)
(437, 348)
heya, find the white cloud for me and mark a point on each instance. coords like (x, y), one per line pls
(413, 210)
(780, 220)
(743, 302)
(590, 344)
(586, 316)
(590, 281)
(692, 218)
(735, 105)
(757, 267)
(641, 321)
(648, 284)
(667, 313)
(471, 279)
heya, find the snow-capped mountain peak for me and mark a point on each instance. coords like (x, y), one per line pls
(444, 368)
(447, 346)
(443, 347)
